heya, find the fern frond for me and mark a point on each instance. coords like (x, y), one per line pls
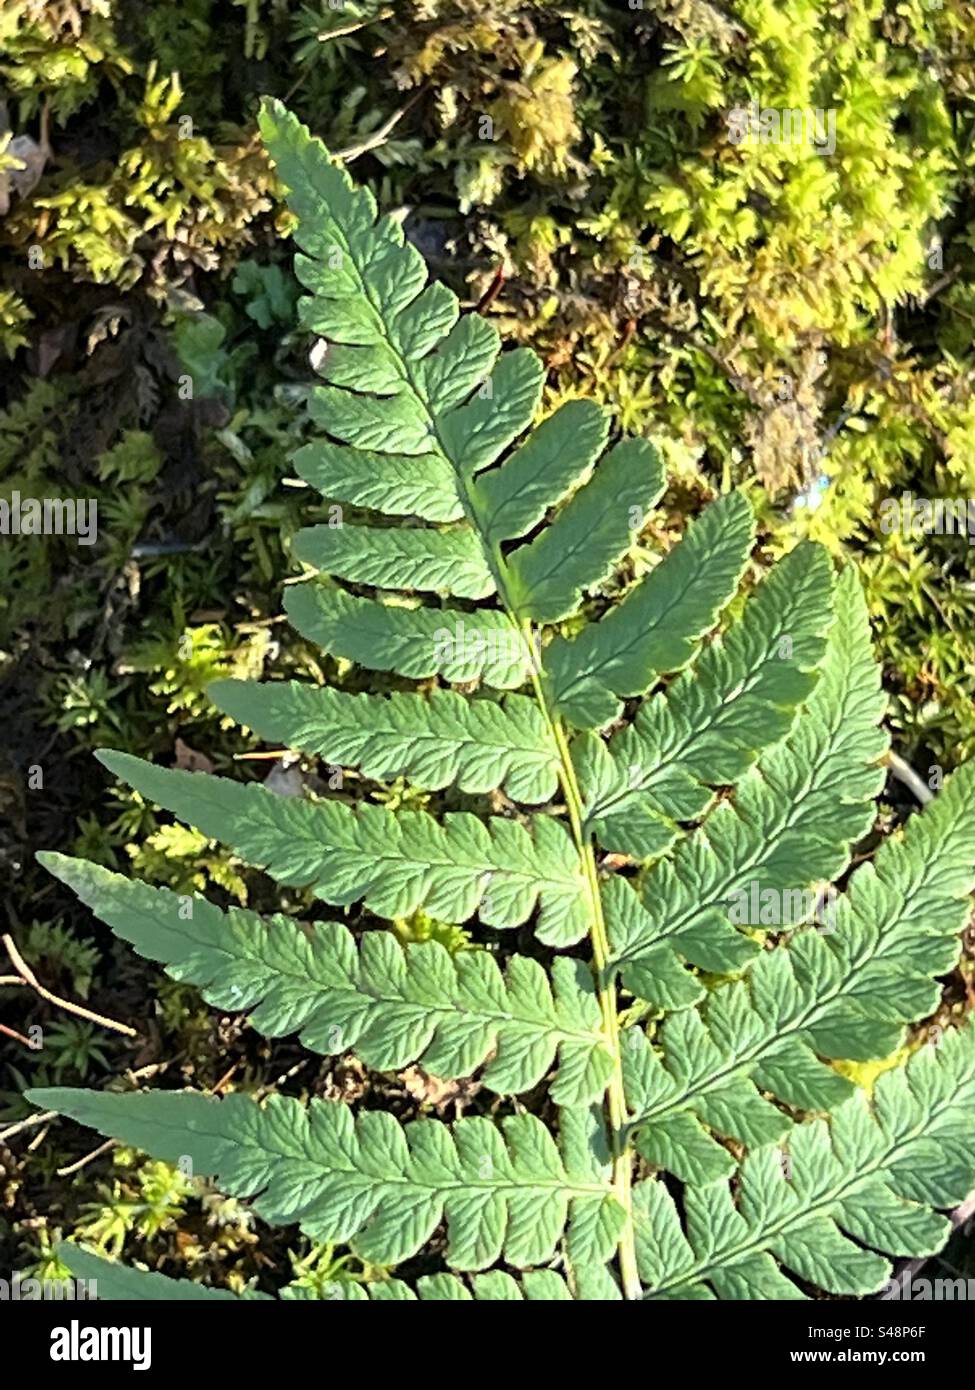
(513, 499)
(396, 863)
(447, 562)
(118, 1283)
(401, 370)
(370, 1182)
(746, 767)
(741, 695)
(391, 1004)
(587, 538)
(533, 1286)
(396, 484)
(433, 740)
(659, 622)
(789, 827)
(415, 642)
(866, 1180)
(842, 993)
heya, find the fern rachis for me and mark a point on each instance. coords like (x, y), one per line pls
(691, 1043)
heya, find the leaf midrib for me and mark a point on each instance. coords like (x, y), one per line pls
(570, 1186)
(598, 935)
(359, 992)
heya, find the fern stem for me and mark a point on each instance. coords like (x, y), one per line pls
(605, 986)
(599, 940)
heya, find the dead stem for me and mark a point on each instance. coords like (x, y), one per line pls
(28, 977)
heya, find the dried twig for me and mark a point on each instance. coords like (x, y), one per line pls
(380, 136)
(218, 1088)
(38, 1139)
(492, 291)
(353, 28)
(17, 1037)
(81, 1162)
(949, 278)
(153, 1069)
(29, 978)
(31, 1120)
(906, 774)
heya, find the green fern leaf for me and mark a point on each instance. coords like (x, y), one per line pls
(449, 562)
(396, 863)
(414, 642)
(843, 993)
(392, 1004)
(588, 536)
(397, 484)
(539, 1285)
(747, 764)
(740, 696)
(511, 500)
(118, 1283)
(659, 622)
(868, 1177)
(372, 1183)
(790, 825)
(434, 740)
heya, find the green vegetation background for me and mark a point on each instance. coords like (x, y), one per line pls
(793, 323)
